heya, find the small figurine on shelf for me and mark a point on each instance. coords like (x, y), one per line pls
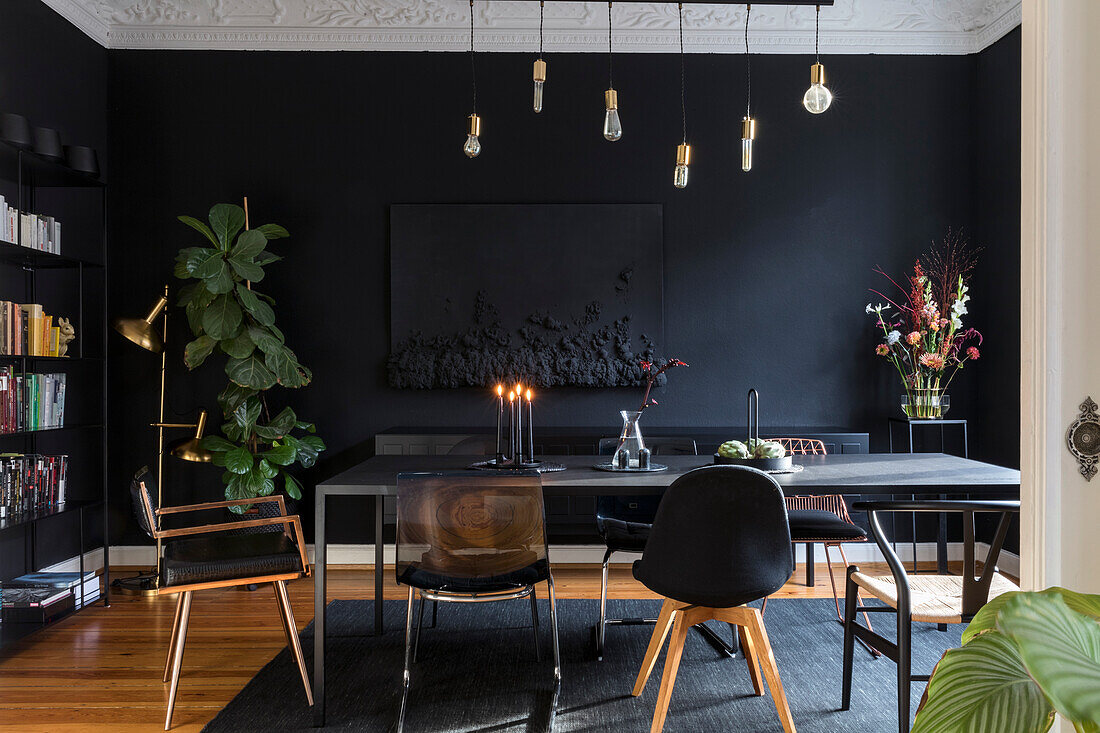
(67, 333)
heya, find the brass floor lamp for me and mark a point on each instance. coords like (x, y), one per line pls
(143, 332)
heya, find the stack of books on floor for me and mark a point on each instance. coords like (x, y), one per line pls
(45, 596)
(26, 331)
(31, 401)
(42, 233)
(31, 482)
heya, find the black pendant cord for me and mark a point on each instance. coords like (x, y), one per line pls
(817, 37)
(473, 70)
(683, 76)
(748, 65)
(542, 6)
(610, 83)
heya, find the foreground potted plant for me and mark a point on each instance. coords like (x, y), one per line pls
(1025, 657)
(226, 315)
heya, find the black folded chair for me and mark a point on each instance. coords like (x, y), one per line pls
(221, 556)
(934, 599)
(720, 540)
(624, 523)
(472, 538)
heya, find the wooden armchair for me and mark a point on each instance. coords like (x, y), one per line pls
(211, 556)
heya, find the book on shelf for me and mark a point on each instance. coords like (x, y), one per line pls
(42, 233)
(25, 330)
(31, 482)
(31, 401)
(85, 593)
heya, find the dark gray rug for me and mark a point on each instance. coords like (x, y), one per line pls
(477, 672)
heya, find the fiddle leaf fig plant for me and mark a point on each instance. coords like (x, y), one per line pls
(1025, 657)
(228, 317)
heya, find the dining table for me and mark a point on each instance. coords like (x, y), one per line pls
(878, 474)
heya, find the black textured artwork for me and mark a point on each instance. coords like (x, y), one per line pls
(545, 351)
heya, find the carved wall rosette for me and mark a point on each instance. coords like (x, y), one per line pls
(1083, 438)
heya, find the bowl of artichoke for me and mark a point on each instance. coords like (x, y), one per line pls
(767, 455)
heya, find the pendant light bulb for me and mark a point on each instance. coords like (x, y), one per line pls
(540, 79)
(683, 158)
(472, 148)
(818, 97)
(748, 134)
(612, 126)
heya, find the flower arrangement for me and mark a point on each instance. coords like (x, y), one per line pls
(923, 333)
(652, 373)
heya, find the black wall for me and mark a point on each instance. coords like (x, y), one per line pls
(54, 75)
(766, 273)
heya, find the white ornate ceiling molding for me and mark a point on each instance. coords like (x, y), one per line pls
(850, 26)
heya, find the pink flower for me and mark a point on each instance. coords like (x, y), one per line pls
(882, 349)
(913, 338)
(933, 360)
(973, 353)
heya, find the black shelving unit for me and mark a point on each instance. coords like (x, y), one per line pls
(30, 174)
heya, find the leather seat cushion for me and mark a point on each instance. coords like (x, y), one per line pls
(819, 524)
(213, 557)
(623, 535)
(427, 578)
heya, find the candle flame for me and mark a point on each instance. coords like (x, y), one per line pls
(500, 390)
(519, 389)
(528, 395)
(511, 396)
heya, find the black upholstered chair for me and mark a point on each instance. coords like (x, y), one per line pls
(472, 537)
(720, 540)
(221, 556)
(474, 445)
(934, 599)
(624, 522)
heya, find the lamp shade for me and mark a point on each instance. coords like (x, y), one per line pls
(47, 143)
(141, 331)
(16, 130)
(190, 449)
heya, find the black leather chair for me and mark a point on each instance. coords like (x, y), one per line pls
(624, 522)
(934, 599)
(221, 556)
(472, 537)
(720, 540)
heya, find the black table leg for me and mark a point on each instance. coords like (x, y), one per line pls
(809, 564)
(379, 515)
(319, 597)
(941, 543)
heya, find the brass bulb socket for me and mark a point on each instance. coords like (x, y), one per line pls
(817, 74)
(748, 128)
(161, 303)
(611, 99)
(200, 426)
(683, 154)
(540, 70)
(474, 128)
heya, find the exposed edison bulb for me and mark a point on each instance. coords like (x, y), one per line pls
(748, 134)
(612, 126)
(472, 148)
(540, 79)
(683, 157)
(818, 97)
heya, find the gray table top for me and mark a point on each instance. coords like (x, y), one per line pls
(877, 473)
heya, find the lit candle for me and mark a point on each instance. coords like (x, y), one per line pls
(518, 456)
(512, 424)
(530, 427)
(500, 418)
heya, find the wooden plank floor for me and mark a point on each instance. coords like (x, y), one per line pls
(100, 670)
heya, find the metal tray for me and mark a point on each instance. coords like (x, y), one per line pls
(612, 468)
(764, 464)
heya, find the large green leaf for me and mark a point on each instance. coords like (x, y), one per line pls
(314, 442)
(273, 231)
(217, 444)
(283, 455)
(221, 281)
(188, 259)
(226, 220)
(222, 317)
(199, 300)
(247, 413)
(266, 258)
(195, 353)
(264, 339)
(293, 488)
(186, 293)
(200, 227)
(986, 618)
(260, 310)
(246, 269)
(250, 372)
(983, 687)
(284, 421)
(232, 396)
(248, 245)
(238, 460)
(268, 470)
(239, 347)
(207, 262)
(288, 371)
(1060, 649)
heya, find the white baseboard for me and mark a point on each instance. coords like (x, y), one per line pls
(356, 554)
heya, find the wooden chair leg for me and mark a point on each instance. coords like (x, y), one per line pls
(656, 641)
(752, 656)
(672, 665)
(172, 639)
(177, 657)
(771, 670)
(292, 632)
(859, 601)
(282, 613)
(832, 580)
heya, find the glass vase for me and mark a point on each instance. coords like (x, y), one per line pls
(630, 440)
(925, 404)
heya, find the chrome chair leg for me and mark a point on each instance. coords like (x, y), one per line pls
(557, 654)
(535, 623)
(408, 661)
(600, 629)
(177, 658)
(172, 640)
(419, 626)
(295, 643)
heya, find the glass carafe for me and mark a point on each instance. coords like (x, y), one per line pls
(630, 441)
